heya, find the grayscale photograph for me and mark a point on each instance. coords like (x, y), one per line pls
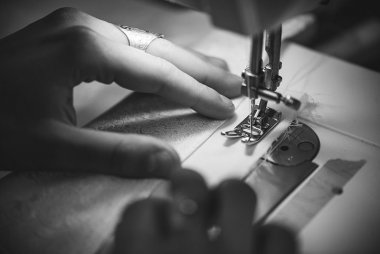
(189, 127)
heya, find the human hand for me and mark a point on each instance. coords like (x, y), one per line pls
(42, 63)
(199, 221)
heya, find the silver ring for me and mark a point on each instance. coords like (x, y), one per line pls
(138, 38)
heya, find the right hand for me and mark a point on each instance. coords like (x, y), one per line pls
(182, 224)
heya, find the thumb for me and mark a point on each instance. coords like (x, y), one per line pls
(57, 146)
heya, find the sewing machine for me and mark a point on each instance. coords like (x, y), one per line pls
(329, 195)
(315, 207)
(258, 81)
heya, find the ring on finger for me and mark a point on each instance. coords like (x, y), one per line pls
(138, 38)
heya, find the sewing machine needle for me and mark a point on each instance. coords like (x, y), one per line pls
(252, 103)
(254, 114)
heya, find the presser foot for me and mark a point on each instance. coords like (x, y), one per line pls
(261, 126)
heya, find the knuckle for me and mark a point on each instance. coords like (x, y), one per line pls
(80, 44)
(168, 73)
(80, 35)
(167, 69)
(216, 66)
(66, 12)
(205, 79)
(220, 63)
(65, 16)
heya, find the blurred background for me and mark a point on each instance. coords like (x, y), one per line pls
(346, 29)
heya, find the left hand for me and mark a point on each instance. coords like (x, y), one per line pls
(42, 63)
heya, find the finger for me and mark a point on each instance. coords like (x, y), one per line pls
(275, 239)
(93, 55)
(190, 201)
(210, 71)
(216, 61)
(57, 146)
(206, 70)
(236, 202)
(143, 228)
(190, 195)
(106, 60)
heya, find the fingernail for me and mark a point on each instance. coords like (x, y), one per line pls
(227, 102)
(163, 163)
(235, 85)
(187, 206)
(183, 209)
